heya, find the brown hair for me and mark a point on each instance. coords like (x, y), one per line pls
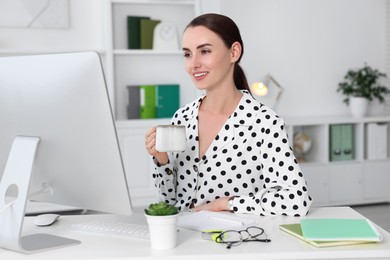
(227, 29)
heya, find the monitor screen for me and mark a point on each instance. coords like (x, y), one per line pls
(63, 100)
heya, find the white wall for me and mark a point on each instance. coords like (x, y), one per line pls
(308, 46)
(85, 31)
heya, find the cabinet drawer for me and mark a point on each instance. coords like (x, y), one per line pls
(346, 182)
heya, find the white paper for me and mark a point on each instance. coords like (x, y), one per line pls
(207, 220)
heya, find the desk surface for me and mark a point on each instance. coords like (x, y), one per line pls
(191, 246)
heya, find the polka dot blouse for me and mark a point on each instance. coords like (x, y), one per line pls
(249, 158)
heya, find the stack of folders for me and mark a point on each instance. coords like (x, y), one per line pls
(153, 101)
(140, 30)
(333, 232)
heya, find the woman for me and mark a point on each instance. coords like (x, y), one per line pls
(237, 156)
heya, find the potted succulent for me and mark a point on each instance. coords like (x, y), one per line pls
(362, 86)
(162, 220)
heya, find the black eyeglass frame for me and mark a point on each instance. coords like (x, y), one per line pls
(250, 238)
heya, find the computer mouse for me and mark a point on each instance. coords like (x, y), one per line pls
(45, 219)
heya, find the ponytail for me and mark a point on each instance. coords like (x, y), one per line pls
(240, 79)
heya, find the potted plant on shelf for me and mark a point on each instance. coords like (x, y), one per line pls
(162, 220)
(362, 86)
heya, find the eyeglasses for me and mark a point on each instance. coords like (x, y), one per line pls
(236, 237)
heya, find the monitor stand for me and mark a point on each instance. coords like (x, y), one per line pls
(16, 180)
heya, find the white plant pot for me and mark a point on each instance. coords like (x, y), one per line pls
(163, 231)
(358, 106)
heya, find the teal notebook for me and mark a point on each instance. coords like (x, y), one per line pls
(296, 231)
(339, 229)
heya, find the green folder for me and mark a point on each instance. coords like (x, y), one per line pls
(168, 99)
(326, 229)
(148, 101)
(134, 31)
(147, 31)
(296, 231)
(341, 142)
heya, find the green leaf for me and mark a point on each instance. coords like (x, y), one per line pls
(161, 209)
(363, 82)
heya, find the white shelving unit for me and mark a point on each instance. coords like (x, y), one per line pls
(348, 182)
(136, 67)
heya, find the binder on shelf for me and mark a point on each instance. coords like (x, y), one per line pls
(134, 105)
(147, 101)
(134, 31)
(296, 231)
(341, 142)
(147, 31)
(167, 100)
(376, 141)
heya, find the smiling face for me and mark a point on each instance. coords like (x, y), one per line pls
(208, 61)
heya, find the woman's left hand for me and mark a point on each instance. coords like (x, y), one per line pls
(216, 205)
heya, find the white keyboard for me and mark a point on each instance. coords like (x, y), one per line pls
(111, 227)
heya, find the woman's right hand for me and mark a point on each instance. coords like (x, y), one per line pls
(150, 143)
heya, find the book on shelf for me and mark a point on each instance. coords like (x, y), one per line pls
(134, 105)
(167, 100)
(341, 138)
(147, 30)
(147, 101)
(376, 141)
(134, 31)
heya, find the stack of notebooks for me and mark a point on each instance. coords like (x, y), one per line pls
(153, 101)
(333, 232)
(140, 31)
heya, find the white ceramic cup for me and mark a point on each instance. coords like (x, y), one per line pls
(170, 138)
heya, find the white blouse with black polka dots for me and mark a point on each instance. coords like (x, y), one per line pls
(249, 158)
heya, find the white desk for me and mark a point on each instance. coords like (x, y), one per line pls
(191, 246)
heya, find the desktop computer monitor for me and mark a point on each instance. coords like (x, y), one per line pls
(62, 99)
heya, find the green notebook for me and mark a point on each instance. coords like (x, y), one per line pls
(339, 230)
(296, 231)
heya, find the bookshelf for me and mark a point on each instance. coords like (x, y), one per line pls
(135, 67)
(359, 180)
(124, 67)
